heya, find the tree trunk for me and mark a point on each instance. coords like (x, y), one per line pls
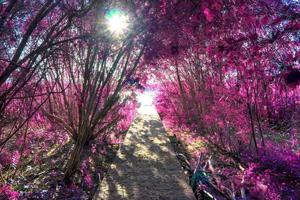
(252, 126)
(74, 160)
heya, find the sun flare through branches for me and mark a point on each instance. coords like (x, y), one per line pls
(117, 22)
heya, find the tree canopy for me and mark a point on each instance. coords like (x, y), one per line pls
(227, 74)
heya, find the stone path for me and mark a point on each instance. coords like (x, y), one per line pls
(146, 167)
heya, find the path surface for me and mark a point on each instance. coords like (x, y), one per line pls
(146, 167)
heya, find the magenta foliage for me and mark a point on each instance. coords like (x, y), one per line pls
(86, 173)
(7, 193)
(5, 159)
(128, 113)
(232, 92)
(275, 174)
(228, 78)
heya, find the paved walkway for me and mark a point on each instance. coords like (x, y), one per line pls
(146, 167)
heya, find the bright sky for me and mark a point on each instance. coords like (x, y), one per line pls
(146, 100)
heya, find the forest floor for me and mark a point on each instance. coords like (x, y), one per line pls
(146, 166)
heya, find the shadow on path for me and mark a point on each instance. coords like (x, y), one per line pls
(145, 166)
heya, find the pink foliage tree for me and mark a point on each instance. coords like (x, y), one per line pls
(228, 74)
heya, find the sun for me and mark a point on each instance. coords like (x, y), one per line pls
(117, 22)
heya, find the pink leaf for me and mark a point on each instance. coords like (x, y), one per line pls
(264, 20)
(209, 16)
